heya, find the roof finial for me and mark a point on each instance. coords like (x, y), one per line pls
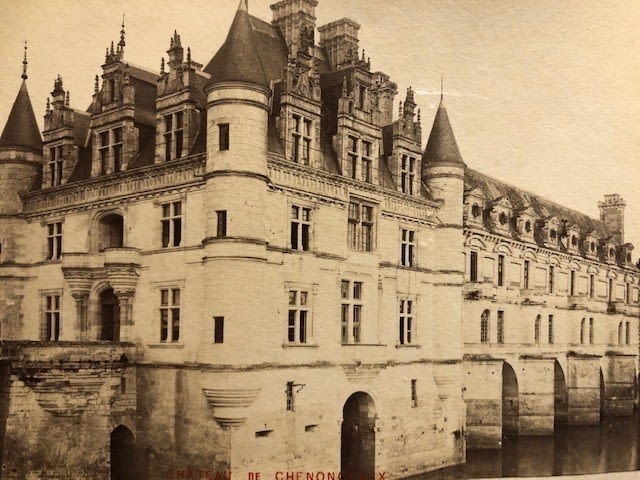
(188, 57)
(24, 62)
(111, 51)
(441, 87)
(162, 65)
(244, 5)
(95, 85)
(48, 105)
(122, 43)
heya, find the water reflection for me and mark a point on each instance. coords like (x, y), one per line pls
(610, 447)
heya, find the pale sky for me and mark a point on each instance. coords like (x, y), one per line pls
(543, 94)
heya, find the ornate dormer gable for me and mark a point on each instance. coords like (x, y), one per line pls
(500, 214)
(609, 250)
(625, 259)
(64, 135)
(571, 239)
(551, 232)
(179, 104)
(123, 114)
(405, 158)
(525, 223)
(474, 204)
(590, 244)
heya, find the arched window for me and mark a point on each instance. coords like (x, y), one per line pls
(484, 327)
(583, 325)
(536, 330)
(620, 333)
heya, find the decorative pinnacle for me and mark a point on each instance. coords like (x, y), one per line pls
(162, 65)
(96, 85)
(189, 57)
(66, 101)
(111, 51)
(48, 105)
(441, 87)
(24, 62)
(122, 43)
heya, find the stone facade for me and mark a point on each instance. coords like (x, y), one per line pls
(253, 267)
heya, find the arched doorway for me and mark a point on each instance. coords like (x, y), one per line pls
(123, 455)
(358, 438)
(560, 396)
(110, 231)
(510, 400)
(109, 326)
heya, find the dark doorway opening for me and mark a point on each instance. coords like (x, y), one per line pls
(560, 397)
(123, 447)
(358, 443)
(109, 316)
(510, 400)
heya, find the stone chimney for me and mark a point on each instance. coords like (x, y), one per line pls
(340, 39)
(297, 22)
(612, 214)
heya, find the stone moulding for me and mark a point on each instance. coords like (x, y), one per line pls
(65, 396)
(361, 372)
(229, 405)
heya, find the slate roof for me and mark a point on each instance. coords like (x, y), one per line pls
(442, 145)
(21, 129)
(239, 59)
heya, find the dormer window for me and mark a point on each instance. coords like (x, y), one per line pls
(590, 244)
(503, 218)
(55, 165)
(551, 230)
(173, 136)
(527, 226)
(476, 211)
(407, 174)
(111, 150)
(501, 213)
(553, 235)
(573, 239)
(301, 137)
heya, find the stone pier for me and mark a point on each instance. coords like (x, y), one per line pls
(483, 397)
(536, 393)
(619, 384)
(583, 386)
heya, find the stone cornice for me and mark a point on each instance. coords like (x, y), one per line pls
(137, 183)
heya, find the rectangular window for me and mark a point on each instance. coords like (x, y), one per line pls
(526, 274)
(500, 270)
(54, 241)
(298, 320)
(352, 154)
(550, 329)
(572, 283)
(290, 398)
(407, 248)
(536, 330)
(366, 163)
(407, 174)
(551, 278)
(221, 227)
(179, 133)
(301, 140)
(169, 314)
(218, 329)
(592, 286)
(104, 153)
(55, 165)
(360, 224)
(473, 267)
(627, 333)
(610, 290)
(168, 137)
(406, 322)
(300, 228)
(51, 331)
(500, 326)
(117, 149)
(414, 393)
(223, 133)
(171, 224)
(351, 311)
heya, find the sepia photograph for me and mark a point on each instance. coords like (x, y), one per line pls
(319, 239)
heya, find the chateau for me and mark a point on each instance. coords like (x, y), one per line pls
(253, 265)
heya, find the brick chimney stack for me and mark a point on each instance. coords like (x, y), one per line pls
(612, 214)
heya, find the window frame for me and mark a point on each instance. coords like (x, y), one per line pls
(408, 246)
(352, 306)
(299, 315)
(361, 232)
(51, 304)
(407, 173)
(224, 137)
(169, 324)
(406, 320)
(303, 227)
(56, 165)
(54, 240)
(171, 223)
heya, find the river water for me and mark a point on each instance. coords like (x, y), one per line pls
(612, 446)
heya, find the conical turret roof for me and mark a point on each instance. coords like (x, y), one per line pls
(238, 59)
(442, 146)
(22, 129)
